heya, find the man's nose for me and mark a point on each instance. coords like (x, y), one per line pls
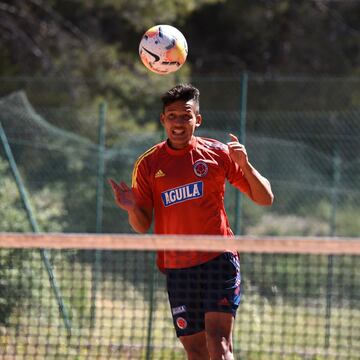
(179, 119)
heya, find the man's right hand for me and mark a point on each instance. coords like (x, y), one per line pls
(124, 196)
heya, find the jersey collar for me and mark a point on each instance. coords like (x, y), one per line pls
(184, 151)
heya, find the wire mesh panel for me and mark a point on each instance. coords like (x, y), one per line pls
(286, 310)
(301, 133)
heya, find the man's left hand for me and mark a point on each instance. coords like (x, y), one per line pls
(237, 152)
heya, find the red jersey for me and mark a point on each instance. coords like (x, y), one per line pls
(186, 189)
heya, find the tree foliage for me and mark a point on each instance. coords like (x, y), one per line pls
(286, 37)
(91, 47)
(12, 215)
(86, 38)
(47, 206)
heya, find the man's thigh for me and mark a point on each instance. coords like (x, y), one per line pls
(185, 297)
(221, 284)
(219, 324)
(210, 287)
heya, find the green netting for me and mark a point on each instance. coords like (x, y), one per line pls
(310, 157)
(304, 135)
(284, 313)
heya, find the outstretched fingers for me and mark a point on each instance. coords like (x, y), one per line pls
(123, 194)
(113, 184)
(123, 186)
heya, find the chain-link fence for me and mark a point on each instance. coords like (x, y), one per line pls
(301, 133)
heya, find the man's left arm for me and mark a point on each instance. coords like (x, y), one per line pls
(259, 187)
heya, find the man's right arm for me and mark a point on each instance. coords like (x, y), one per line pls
(140, 218)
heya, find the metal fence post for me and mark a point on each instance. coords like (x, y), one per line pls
(330, 267)
(99, 208)
(152, 307)
(153, 281)
(241, 137)
(35, 228)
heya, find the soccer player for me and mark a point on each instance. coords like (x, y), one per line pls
(180, 183)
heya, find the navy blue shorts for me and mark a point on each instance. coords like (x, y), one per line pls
(210, 287)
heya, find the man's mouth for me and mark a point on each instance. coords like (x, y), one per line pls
(178, 132)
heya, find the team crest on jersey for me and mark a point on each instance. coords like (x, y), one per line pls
(183, 193)
(200, 168)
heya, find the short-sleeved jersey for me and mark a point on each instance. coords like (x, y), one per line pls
(186, 189)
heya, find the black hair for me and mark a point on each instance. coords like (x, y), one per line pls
(183, 92)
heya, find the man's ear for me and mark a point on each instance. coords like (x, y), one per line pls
(162, 119)
(198, 120)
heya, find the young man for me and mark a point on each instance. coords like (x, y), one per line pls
(181, 184)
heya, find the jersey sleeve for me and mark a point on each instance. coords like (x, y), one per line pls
(141, 184)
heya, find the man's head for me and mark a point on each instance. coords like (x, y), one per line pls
(180, 116)
(183, 92)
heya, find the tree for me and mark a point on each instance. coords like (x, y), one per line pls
(87, 52)
(286, 37)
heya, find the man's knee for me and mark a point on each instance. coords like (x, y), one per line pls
(197, 353)
(195, 346)
(219, 347)
(219, 336)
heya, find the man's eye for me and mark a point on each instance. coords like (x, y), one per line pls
(180, 117)
(186, 118)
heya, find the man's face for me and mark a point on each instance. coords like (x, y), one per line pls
(180, 121)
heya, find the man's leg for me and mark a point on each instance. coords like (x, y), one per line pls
(218, 328)
(195, 346)
(185, 297)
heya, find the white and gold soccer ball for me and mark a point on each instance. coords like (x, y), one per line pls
(163, 49)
